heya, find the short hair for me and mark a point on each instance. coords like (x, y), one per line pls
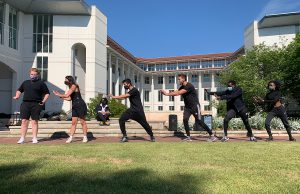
(127, 81)
(232, 82)
(182, 76)
(276, 83)
(35, 70)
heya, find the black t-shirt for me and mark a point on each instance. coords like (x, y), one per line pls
(135, 100)
(33, 90)
(271, 98)
(190, 98)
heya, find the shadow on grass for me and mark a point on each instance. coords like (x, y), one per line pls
(30, 178)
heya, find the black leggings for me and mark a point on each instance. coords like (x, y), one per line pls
(138, 117)
(197, 114)
(280, 113)
(243, 114)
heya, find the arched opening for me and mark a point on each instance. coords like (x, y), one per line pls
(6, 85)
(79, 66)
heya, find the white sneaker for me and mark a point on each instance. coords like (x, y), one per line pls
(188, 138)
(69, 140)
(35, 141)
(21, 140)
(85, 139)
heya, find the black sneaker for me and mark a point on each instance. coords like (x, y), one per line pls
(152, 139)
(270, 138)
(292, 139)
(124, 139)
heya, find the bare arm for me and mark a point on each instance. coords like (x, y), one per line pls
(45, 98)
(67, 95)
(175, 93)
(121, 97)
(17, 96)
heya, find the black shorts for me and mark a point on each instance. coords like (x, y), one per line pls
(80, 110)
(30, 109)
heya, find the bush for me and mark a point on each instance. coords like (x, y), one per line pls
(116, 107)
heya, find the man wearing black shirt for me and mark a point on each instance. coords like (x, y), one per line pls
(235, 106)
(135, 112)
(36, 93)
(192, 106)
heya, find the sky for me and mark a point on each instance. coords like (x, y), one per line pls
(164, 28)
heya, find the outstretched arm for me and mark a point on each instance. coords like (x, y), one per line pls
(175, 93)
(234, 95)
(66, 96)
(121, 97)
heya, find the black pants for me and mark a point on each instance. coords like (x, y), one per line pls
(101, 117)
(196, 112)
(243, 114)
(138, 117)
(280, 113)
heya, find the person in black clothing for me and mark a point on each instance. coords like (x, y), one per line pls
(36, 93)
(135, 112)
(235, 106)
(275, 109)
(192, 106)
(79, 108)
(102, 111)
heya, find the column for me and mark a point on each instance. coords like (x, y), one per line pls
(152, 99)
(117, 78)
(110, 75)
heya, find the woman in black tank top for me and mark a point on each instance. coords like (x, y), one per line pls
(79, 108)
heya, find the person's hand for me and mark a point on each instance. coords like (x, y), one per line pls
(217, 97)
(56, 93)
(163, 92)
(16, 97)
(110, 96)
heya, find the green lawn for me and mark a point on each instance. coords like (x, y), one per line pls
(235, 167)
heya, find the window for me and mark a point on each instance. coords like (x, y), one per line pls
(160, 108)
(206, 64)
(42, 33)
(42, 66)
(195, 65)
(114, 88)
(2, 20)
(172, 66)
(146, 96)
(181, 108)
(217, 80)
(171, 79)
(219, 63)
(119, 70)
(13, 28)
(181, 98)
(171, 108)
(135, 79)
(151, 67)
(183, 65)
(113, 69)
(206, 78)
(171, 98)
(143, 66)
(207, 108)
(147, 80)
(160, 80)
(120, 89)
(195, 79)
(160, 96)
(147, 108)
(207, 96)
(160, 67)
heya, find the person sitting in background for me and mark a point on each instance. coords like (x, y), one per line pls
(102, 112)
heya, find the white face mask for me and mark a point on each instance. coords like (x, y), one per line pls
(230, 88)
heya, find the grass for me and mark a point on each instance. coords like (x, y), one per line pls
(235, 167)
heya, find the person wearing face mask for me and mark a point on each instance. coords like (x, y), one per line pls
(36, 93)
(79, 108)
(135, 112)
(102, 111)
(235, 106)
(275, 108)
(192, 106)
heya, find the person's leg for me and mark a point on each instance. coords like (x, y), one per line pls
(84, 129)
(24, 127)
(269, 118)
(186, 116)
(283, 117)
(73, 126)
(244, 116)
(141, 119)
(101, 117)
(229, 115)
(34, 126)
(197, 115)
(124, 117)
(25, 115)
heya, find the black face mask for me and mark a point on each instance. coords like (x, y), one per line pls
(126, 87)
(67, 83)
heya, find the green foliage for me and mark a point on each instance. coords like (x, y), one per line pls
(220, 106)
(260, 65)
(116, 107)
